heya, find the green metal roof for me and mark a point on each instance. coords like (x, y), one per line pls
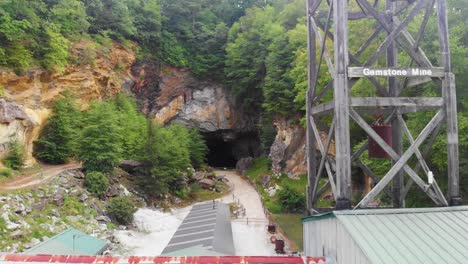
(419, 235)
(317, 217)
(70, 242)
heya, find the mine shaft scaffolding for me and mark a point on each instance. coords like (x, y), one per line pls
(327, 22)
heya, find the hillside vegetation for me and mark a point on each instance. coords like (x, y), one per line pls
(256, 47)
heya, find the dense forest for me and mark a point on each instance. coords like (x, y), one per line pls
(256, 47)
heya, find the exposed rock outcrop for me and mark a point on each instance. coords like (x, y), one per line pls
(287, 152)
(28, 98)
(183, 98)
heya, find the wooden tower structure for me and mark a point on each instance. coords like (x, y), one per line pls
(328, 43)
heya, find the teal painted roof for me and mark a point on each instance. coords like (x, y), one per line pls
(419, 235)
(70, 242)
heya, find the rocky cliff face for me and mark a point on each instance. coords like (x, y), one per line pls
(287, 152)
(28, 98)
(175, 95)
(181, 97)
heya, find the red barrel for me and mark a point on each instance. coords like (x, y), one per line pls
(279, 246)
(385, 132)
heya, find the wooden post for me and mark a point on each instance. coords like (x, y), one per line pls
(393, 91)
(312, 78)
(341, 111)
(449, 94)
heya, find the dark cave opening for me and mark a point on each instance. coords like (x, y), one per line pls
(226, 147)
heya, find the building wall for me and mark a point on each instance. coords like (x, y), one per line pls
(328, 237)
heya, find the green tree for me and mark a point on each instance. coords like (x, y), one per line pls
(55, 50)
(100, 147)
(290, 199)
(59, 138)
(122, 210)
(247, 49)
(134, 126)
(15, 158)
(169, 157)
(197, 148)
(96, 183)
(71, 16)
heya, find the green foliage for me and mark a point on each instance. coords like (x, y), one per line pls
(100, 147)
(55, 50)
(122, 209)
(96, 183)
(169, 157)
(15, 158)
(3, 225)
(58, 142)
(260, 166)
(197, 148)
(71, 16)
(290, 199)
(6, 172)
(72, 206)
(133, 125)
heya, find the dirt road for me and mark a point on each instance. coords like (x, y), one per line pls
(47, 173)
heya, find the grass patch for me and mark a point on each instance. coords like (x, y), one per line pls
(198, 194)
(291, 225)
(260, 166)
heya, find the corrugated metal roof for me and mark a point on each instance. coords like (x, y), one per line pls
(16, 258)
(70, 242)
(423, 235)
(205, 231)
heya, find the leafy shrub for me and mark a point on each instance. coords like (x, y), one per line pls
(96, 183)
(197, 148)
(58, 141)
(72, 206)
(15, 158)
(6, 172)
(121, 209)
(291, 200)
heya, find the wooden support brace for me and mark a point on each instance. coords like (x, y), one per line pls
(371, 174)
(400, 161)
(324, 156)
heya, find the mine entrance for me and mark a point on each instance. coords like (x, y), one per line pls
(226, 147)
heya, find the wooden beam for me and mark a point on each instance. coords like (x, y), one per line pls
(312, 80)
(393, 31)
(432, 102)
(425, 152)
(418, 153)
(393, 90)
(415, 81)
(341, 95)
(324, 157)
(324, 51)
(322, 190)
(449, 93)
(368, 41)
(371, 174)
(323, 108)
(401, 161)
(323, 161)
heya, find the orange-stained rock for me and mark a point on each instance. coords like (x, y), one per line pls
(102, 73)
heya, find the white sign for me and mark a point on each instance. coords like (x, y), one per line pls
(395, 72)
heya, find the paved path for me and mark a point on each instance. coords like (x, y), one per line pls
(245, 194)
(47, 173)
(250, 238)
